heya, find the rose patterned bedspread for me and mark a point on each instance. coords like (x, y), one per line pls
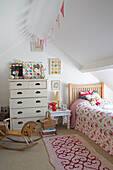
(94, 121)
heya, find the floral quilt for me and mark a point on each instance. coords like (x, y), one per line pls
(96, 123)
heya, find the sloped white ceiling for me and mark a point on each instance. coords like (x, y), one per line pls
(20, 19)
(85, 35)
(42, 16)
(13, 30)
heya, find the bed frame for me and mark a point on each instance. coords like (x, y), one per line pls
(75, 89)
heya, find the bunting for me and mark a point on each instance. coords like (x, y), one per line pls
(58, 21)
(62, 9)
(53, 31)
(45, 41)
(38, 41)
(41, 42)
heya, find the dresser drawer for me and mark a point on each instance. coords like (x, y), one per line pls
(18, 85)
(30, 102)
(38, 84)
(28, 112)
(28, 93)
(18, 123)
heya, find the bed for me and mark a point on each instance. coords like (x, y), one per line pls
(93, 120)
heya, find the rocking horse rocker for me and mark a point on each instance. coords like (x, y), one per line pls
(27, 129)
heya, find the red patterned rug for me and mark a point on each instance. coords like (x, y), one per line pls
(72, 152)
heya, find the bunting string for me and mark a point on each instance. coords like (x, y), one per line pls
(58, 21)
(42, 42)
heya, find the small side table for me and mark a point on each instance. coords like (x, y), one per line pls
(62, 113)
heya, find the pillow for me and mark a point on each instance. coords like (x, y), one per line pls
(83, 94)
(94, 96)
(96, 102)
(89, 97)
(94, 99)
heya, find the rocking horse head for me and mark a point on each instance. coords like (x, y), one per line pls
(29, 128)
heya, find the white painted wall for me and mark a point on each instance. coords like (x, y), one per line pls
(70, 74)
(106, 77)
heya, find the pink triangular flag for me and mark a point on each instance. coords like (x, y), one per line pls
(62, 9)
(53, 31)
(57, 20)
(41, 44)
(37, 41)
(49, 36)
(40, 41)
(46, 41)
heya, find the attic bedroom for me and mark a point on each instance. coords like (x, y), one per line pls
(56, 89)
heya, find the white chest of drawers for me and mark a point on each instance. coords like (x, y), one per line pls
(28, 100)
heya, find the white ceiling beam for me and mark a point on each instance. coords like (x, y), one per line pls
(99, 65)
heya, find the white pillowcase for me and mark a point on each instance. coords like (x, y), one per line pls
(89, 97)
(95, 96)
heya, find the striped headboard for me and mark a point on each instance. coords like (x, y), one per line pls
(74, 90)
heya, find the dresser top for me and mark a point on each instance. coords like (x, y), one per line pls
(26, 80)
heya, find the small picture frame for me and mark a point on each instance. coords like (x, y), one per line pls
(64, 107)
(55, 66)
(55, 85)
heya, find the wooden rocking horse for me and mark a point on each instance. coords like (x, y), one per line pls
(28, 128)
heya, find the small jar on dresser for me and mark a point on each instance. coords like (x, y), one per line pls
(28, 100)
